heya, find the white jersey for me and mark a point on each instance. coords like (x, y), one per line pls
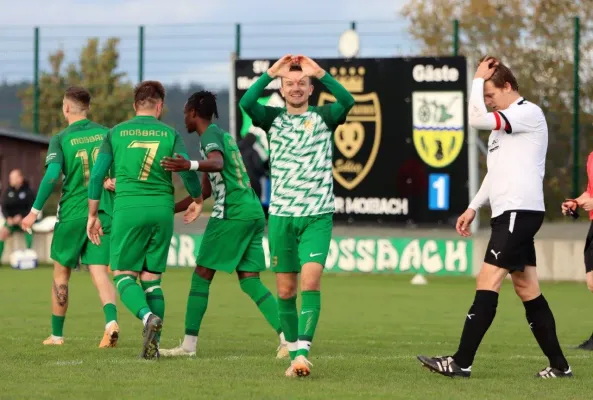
(516, 159)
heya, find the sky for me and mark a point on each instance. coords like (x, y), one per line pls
(191, 40)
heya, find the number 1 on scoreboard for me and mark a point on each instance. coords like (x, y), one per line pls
(438, 191)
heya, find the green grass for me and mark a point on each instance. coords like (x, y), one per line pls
(371, 329)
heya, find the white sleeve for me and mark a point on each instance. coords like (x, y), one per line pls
(482, 197)
(479, 117)
(523, 117)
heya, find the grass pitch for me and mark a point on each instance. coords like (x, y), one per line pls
(371, 329)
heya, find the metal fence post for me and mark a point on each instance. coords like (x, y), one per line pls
(576, 111)
(456, 37)
(238, 40)
(353, 25)
(140, 53)
(36, 92)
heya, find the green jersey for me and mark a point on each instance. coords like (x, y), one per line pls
(233, 196)
(301, 149)
(76, 149)
(137, 146)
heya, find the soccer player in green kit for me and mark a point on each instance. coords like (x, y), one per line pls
(302, 202)
(73, 152)
(233, 238)
(144, 204)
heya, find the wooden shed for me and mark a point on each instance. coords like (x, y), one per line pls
(25, 151)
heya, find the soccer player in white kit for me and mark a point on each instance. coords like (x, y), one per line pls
(514, 188)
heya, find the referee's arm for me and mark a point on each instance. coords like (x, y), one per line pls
(482, 197)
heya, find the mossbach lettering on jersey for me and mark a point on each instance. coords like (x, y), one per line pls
(87, 139)
(143, 132)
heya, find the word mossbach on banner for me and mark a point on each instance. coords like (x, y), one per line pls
(364, 254)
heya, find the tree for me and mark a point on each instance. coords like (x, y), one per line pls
(535, 39)
(111, 94)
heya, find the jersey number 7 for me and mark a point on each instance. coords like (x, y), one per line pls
(151, 148)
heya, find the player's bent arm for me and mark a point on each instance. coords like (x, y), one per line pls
(46, 188)
(482, 197)
(344, 100)
(479, 117)
(100, 169)
(182, 205)
(213, 163)
(249, 103)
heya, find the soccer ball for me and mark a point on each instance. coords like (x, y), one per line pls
(24, 259)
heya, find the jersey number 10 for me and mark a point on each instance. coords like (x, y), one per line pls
(84, 159)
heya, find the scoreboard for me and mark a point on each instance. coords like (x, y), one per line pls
(402, 155)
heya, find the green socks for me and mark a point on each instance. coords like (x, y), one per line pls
(310, 310)
(155, 298)
(131, 295)
(1, 250)
(264, 300)
(289, 320)
(110, 312)
(28, 240)
(197, 302)
(57, 325)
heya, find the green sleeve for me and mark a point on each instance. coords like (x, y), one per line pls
(262, 116)
(210, 141)
(102, 165)
(179, 145)
(335, 114)
(54, 152)
(51, 177)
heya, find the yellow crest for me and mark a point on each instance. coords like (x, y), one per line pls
(357, 140)
(438, 126)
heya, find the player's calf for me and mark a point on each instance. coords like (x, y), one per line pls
(252, 285)
(107, 294)
(61, 277)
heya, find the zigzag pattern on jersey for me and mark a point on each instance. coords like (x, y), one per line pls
(301, 166)
(218, 192)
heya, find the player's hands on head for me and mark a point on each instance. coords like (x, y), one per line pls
(193, 211)
(464, 221)
(28, 222)
(10, 221)
(569, 204)
(486, 68)
(17, 219)
(281, 67)
(175, 163)
(310, 68)
(94, 230)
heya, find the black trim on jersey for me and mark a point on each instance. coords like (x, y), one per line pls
(523, 101)
(507, 126)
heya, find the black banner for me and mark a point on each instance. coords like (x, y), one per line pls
(401, 156)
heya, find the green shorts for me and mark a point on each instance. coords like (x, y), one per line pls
(140, 239)
(295, 241)
(70, 243)
(233, 245)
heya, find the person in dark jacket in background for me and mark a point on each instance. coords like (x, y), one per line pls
(17, 201)
(254, 164)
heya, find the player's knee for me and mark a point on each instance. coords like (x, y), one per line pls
(590, 281)
(287, 291)
(526, 289)
(204, 273)
(244, 275)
